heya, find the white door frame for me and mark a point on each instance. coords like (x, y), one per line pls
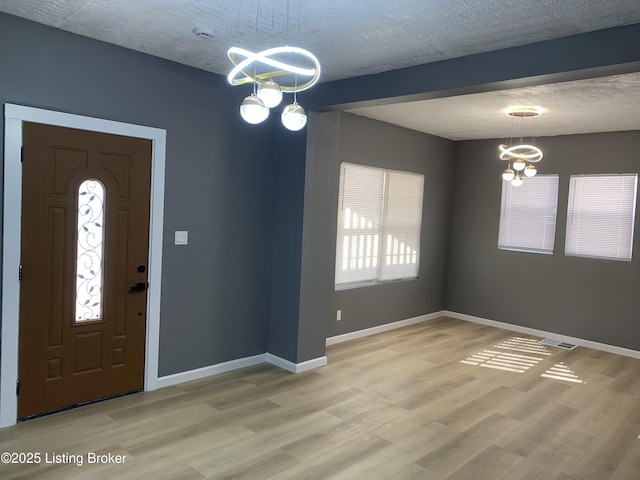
(14, 115)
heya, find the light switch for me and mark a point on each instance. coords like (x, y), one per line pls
(181, 238)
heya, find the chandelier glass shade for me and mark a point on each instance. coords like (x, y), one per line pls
(295, 68)
(530, 171)
(270, 93)
(517, 181)
(508, 175)
(253, 110)
(294, 117)
(521, 157)
(518, 164)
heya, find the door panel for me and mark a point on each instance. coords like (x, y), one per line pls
(68, 357)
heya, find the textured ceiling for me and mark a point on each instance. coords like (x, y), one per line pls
(358, 37)
(606, 104)
(350, 37)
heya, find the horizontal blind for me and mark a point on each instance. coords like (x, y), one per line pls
(360, 202)
(379, 222)
(401, 226)
(600, 216)
(528, 215)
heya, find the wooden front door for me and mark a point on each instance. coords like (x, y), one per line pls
(84, 253)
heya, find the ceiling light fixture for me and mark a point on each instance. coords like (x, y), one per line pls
(520, 157)
(289, 65)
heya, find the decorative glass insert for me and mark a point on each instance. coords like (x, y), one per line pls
(89, 247)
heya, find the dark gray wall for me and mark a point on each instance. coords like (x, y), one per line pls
(261, 221)
(586, 298)
(287, 243)
(361, 140)
(219, 179)
(320, 199)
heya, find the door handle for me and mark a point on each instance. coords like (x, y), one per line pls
(139, 287)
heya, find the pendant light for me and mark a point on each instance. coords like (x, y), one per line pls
(517, 180)
(508, 175)
(530, 170)
(253, 110)
(520, 157)
(287, 63)
(294, 117)
(270, 93)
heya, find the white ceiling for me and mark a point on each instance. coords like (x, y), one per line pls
(358, 37)
(607, 104)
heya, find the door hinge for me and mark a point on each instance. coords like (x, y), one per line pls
(22, 154)
(20, 272)
(18, 387)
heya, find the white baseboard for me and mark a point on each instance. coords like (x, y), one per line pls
(219, 368)
(199, 373)
(383, 328)
(627, 352)
(216, 369)
(296, 367)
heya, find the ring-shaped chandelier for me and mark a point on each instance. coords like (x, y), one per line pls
(247, 65)
(520, 157)
(528, 153)
(261, 68)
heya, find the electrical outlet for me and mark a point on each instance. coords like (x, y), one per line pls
(338, 315)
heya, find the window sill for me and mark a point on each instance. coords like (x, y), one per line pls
(525, 250)
(351, 286)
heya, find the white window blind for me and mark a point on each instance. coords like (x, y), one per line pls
(600, 216)
(528, 215)
(379, 219)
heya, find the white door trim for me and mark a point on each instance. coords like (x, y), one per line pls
(14, 115)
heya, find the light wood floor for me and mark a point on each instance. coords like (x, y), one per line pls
(422, 402)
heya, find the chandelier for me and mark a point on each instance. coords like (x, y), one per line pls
(521, 157)
(296, 69)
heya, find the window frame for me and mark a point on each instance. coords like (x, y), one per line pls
(506, 186)
(380, 254)
(571, 214)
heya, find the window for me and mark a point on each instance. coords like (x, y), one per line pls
(89, 248)
(528, 215)
(600, 216)
(379, 218)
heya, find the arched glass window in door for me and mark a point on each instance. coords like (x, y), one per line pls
(90, 249)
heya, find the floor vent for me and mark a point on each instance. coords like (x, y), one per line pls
(559, 344)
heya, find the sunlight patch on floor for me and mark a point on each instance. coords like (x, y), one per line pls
(525, 345)
(561, 372)
(519, 362)
(509, 362)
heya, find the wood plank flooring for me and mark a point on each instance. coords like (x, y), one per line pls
(441, 400)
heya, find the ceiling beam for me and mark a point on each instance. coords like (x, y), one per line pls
(577, 57)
